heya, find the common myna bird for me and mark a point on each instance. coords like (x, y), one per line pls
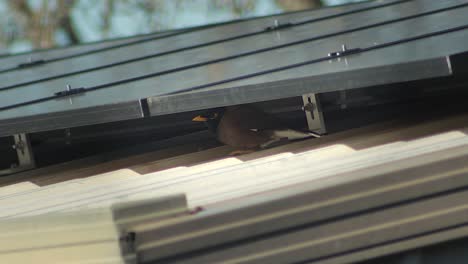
(245, 127)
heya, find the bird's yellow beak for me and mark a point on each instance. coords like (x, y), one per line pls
(200, 119)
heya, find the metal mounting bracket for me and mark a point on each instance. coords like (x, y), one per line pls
(25, 155)
(314, 116)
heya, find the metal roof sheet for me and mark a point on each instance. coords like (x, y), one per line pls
(312, 207)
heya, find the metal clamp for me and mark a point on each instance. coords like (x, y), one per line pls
(31, 63)
(70, 91)
(315, 120)
(278, 26)
(343, 52)
(24, 153)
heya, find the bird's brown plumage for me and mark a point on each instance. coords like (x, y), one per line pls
(235, 126)
(247, 128)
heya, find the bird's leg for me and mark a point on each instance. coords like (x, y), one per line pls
(274, 142)
(241, 152)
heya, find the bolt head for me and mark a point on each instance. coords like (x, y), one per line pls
(310, 107)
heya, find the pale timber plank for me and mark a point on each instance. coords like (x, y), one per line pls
(17, 188)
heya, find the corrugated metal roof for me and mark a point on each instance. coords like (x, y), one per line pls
(348, 198)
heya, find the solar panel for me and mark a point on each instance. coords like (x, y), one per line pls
(11, 62)
(317, 51)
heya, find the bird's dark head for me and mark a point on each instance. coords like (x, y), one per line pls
(211, 118)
